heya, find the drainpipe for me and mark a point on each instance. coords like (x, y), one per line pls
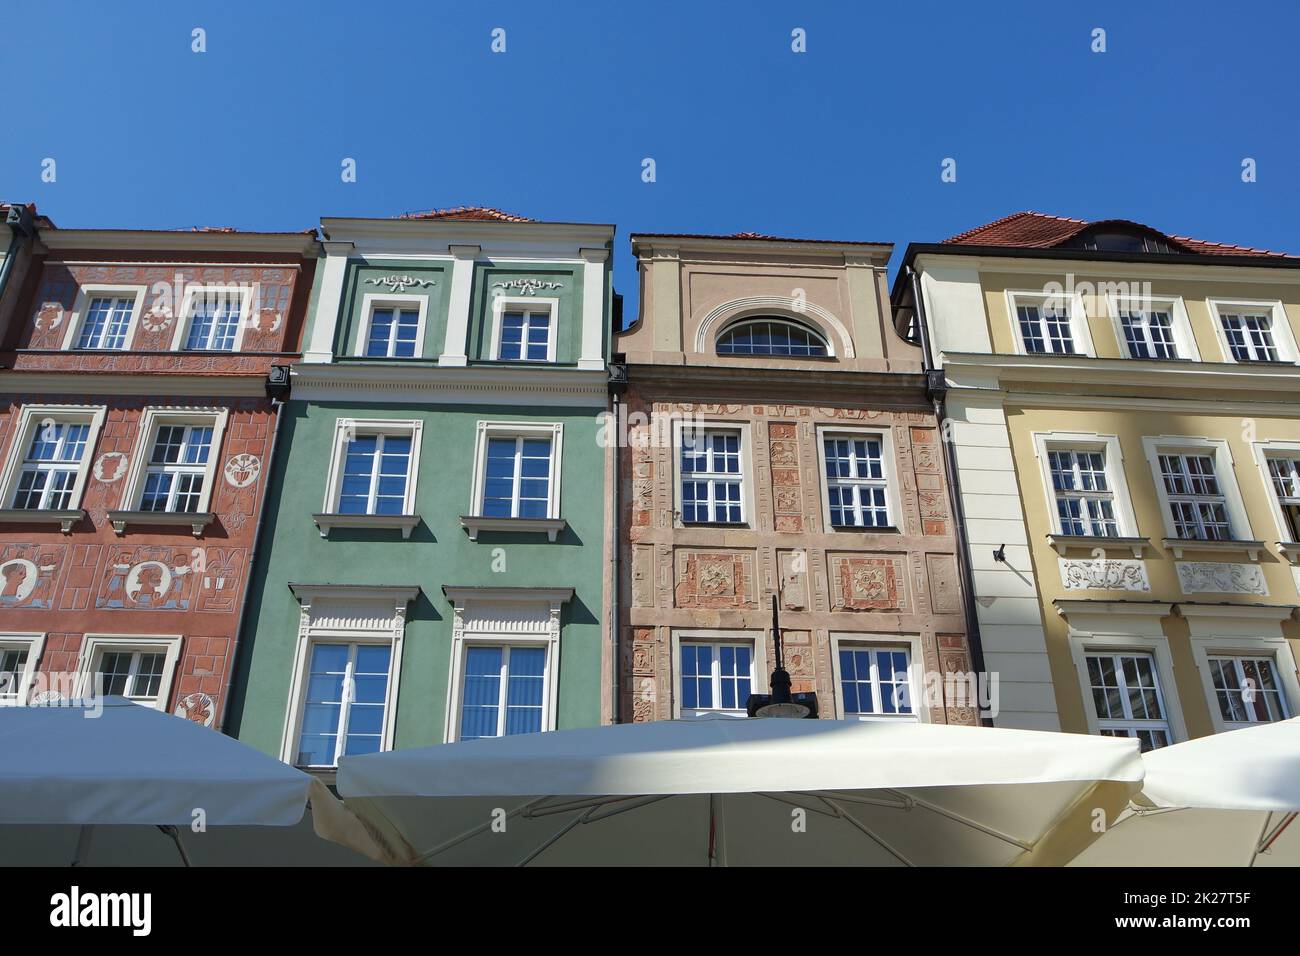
(23, 226)
(277, 389)
(617, 386)
(936, 387)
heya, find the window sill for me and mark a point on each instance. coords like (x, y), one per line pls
(1179, 545)
(197, 520)
(1289, 550)
(65, 519)
(476, 523)
(1063, 543)
(866, 528)
(325, 522)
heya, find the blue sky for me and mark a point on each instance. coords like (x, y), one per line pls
(844, 141)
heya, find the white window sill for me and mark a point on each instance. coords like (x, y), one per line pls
(476, 523)
(1063, 543)
(325, 522)
(1289, 550)
(65, 519)
(1180, 545)
(197, 520)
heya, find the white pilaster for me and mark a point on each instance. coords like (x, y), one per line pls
(593, 311)
(462, 288)
(320, 346)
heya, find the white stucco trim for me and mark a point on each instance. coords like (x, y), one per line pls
(1283, 336)
(94, 290)
(397, 301)
(1181, 324)
(1224, 472)
(785, 306)
(1044, 442)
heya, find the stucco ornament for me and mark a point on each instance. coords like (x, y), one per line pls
(148, 582)
(400, 283)
(50, 316)
(268, 321)
(48, 697)
(1198, 577)
(528, 286)
(242, 470)
(1104, 575)
(110, 466)
(198, 707)
(18, 578)
(158, 318)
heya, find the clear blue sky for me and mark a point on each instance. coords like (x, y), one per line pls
(844, 141)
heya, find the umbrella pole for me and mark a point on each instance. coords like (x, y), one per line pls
(83, 845)
(175, 834)
(1267, 839)
(717, 832)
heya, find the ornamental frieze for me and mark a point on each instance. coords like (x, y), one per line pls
(1081, 574)
(1200, 577)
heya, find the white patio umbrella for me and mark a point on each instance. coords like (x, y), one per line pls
(124, 784)
(1229, 799)
(746, 792)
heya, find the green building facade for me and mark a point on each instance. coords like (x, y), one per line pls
(433, 560)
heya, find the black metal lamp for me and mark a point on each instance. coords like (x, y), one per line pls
(781, 702)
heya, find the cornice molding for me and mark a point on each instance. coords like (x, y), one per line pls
(302, 244)
(112, 383)
(494, 385)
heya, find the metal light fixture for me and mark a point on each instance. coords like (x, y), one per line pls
(781, 702)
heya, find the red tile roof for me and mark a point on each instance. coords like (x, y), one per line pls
(475, 213)
(1036, 230)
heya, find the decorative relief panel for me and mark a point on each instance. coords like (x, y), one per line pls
(787, 492)
(27, 575)
(147, 578)
(945, 591)
(1201, 577)
(868, 584)
(1107, 575)
(793, 567)
(715, 579)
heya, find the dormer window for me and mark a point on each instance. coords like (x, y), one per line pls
(772, 336)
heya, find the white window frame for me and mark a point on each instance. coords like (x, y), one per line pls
(87, 293)
(94, 646)
(886, 437)
(499, 429)
(880, 641)
(150, 421)
(194, 291)
(1180, 323)
(1265, 450)
(1080, 334)
(30, 418)
(1223, 636)
(345, 615)
(344, 427)
(1224, 472)
(1283, 336)
(1096, 631)
(758, 681)
(399, 302)
(1109, 446)
(747, 509)
(33, 642)
(501, 304)
(520, 617)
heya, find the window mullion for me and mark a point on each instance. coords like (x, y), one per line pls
(375, 467)
(503, 694)
(345, 705)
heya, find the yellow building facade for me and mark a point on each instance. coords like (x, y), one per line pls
(1123, 408)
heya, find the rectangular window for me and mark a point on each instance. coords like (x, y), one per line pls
(716, 678)
(1250, 336)
(376, 469)
(1247, 690)
(1084, 501)
(525, 335)
(876, 682)
(517, 482)
(1197, 503)
(1285, 475)
(393, 332)
(134, 674)
(503, 692)
(712, 479)
(214, 322)
(13, 667)
(346, 699)
(177, 470)
(856, 487)
(1045, 328)
(50, 468)
(106, 323)
(1126, 696)
(1149, 334)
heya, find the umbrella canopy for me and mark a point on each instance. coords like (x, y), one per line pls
(1229, 799)
(94, 781)
(761, 791)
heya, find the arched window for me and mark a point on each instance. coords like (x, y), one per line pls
(769, 335)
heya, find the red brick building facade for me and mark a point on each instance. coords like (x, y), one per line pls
(136, 434)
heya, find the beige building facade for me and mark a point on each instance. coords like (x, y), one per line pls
(778, 440)
(1124, 413)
